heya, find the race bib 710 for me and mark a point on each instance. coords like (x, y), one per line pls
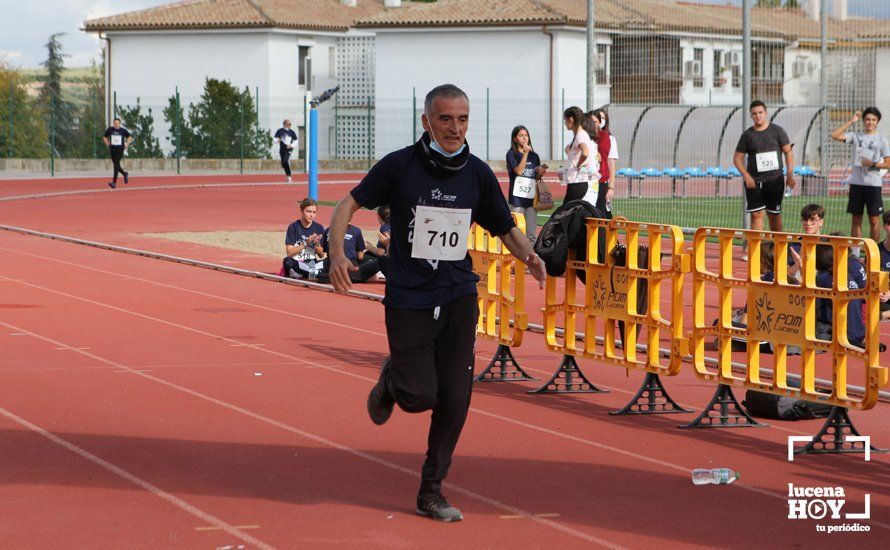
(441, 233)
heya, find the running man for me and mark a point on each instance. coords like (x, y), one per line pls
(117, 139)
(435, 189)
(287, 140)
(765, 144)
(871, 157)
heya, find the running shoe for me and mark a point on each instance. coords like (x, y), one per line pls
(380, 402)
(434, 505)
(112, 184)
(126, 178)
(289, 180)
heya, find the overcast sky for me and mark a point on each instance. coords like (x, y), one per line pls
(25, 25)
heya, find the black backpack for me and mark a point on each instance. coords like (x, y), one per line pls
(567, 230)
(779, 407)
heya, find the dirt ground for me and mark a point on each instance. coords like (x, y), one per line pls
(264, 243)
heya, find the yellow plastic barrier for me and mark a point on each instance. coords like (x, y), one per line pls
(501, 291)
(610, 295)
(782, 314)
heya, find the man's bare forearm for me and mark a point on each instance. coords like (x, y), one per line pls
(343, 213)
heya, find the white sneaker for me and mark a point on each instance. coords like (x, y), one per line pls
(381, 277)
(289, 180)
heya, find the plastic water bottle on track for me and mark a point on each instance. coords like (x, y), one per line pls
(717, 476)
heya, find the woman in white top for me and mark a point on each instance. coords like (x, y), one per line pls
(583, 160)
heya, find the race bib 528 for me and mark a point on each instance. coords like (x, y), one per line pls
(441, 233)
(767, 162)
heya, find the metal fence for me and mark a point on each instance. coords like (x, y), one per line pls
(672, 77)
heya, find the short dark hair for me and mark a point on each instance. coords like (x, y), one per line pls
(307, 202)
(872, 111)
(811, 210)
(116, 119)
(383, 213)
(515, 133)
(824, 257)
(756, 103)
(449, 91)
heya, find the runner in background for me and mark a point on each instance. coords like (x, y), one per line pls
(117, 139)
(765, 145)
(871, 158)
(287, 141)
(524, 169)
(435, 189)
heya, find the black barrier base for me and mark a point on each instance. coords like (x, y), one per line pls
(568, 378)
(832, 437)
(729, 413)
(651, 398)
(503, 368)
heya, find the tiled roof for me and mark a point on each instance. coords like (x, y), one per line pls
(215, 14)
(654, 15)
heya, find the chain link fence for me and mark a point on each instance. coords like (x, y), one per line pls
(672, 83)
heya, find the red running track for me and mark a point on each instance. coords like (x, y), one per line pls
(149, 403)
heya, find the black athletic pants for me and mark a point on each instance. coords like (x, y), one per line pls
(367, 268)
(601, 199)
(285, 160)
(117, 153)
(432, 368)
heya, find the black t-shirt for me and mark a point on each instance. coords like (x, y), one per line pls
(764, 150)
(885, 256)
(297, 235)
(532, 162)
(402, 181)
(353, 242)
(286, 137)
(117, 137)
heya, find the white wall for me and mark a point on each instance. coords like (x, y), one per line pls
(882, 90)
(804, 88)
(513, 64)
(151, 65)
(711, 92)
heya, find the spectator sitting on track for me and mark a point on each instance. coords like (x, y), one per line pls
(855, 280)
(305, 254)
(812, 218)
(884, 249)
(381, 249)
(354, 250)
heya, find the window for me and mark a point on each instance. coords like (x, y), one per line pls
(602, 64)
(332, 62)
(768, 61)
(698, 56)
(719, 80)
(305, 69)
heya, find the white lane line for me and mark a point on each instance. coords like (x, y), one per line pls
(120, 472)
(324, 441)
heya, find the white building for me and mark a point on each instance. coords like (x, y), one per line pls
(520, 61)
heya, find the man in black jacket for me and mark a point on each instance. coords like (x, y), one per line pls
(436, 189)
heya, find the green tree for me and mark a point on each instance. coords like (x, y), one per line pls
(141, 127)
(90, 115)
(778, 4)
(59, 112)
(220, 124)
(22, 132)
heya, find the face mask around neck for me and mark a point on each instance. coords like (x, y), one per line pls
(434, 145)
